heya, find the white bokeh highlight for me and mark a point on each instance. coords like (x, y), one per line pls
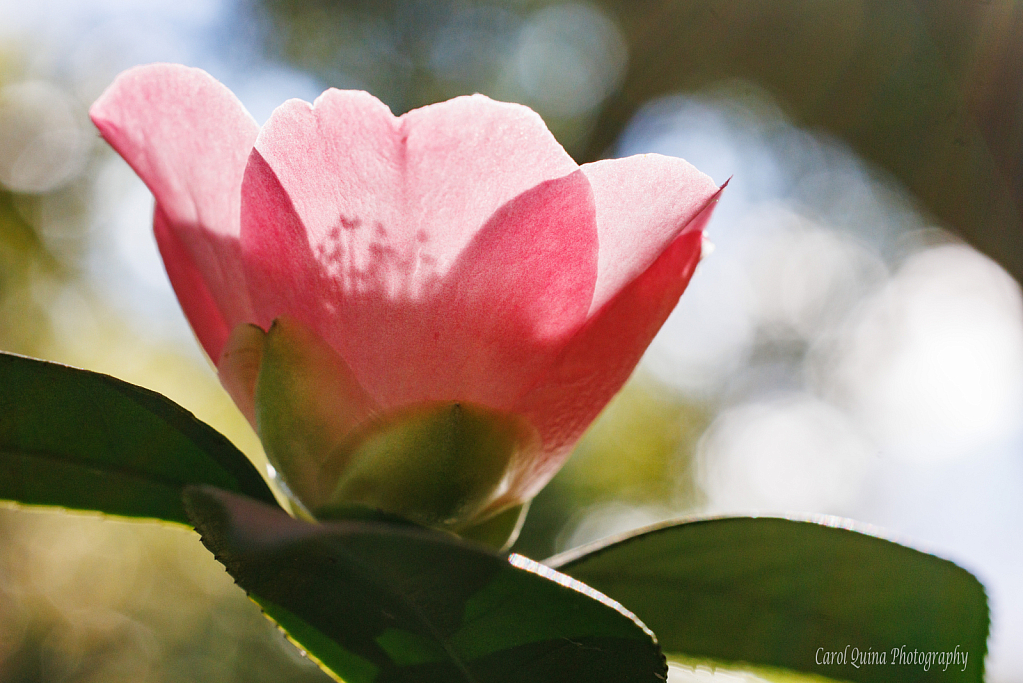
(790, 454)
(44, 141)
(933, 364)
(570, 57)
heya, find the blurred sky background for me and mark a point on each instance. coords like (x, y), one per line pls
(852, 347)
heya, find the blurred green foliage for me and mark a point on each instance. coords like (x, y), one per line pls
(22, 320)
(86, 599)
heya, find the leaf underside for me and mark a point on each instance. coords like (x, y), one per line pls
(783, 593)
(379, 602)
(82, 440)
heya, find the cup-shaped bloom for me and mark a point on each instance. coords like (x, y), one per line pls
(419, 313)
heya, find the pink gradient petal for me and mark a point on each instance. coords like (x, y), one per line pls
(517, 294)
(194, 296)
(447, 254)
(455, 256)
(188, 137)
(598, 361)
(643, 202)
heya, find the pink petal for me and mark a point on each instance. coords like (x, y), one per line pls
(446, 254)
(643, 203)
(598, 361)
(197, 302)
(188, 137)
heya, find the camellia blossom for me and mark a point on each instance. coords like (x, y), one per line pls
(419, 313)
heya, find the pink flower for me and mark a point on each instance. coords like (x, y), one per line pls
(447, 274)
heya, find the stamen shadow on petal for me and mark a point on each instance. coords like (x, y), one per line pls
(481, 332)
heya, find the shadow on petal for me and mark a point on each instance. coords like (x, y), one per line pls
(484, 332)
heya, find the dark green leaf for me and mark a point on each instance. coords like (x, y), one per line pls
(379, 602)
(82, 440)
(776, 592)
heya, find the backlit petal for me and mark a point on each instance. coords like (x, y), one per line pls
(448, 254)
(643, 203)
(598, 361)
(188, 137)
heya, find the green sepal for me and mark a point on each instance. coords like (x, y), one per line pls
(443, 464)
(500, 531)
(440, 464)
